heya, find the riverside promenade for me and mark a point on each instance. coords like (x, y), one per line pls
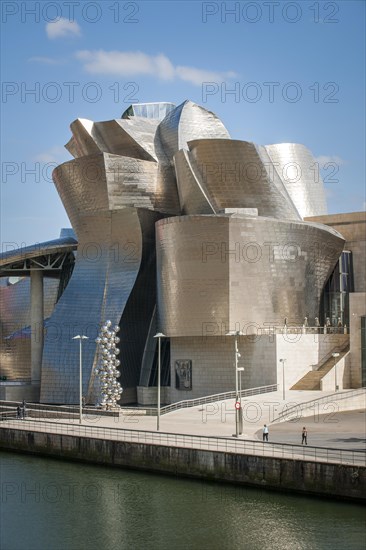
(199, 442)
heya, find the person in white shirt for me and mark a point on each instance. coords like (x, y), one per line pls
(265, 433)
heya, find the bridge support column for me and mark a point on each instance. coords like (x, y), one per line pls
(36, 325)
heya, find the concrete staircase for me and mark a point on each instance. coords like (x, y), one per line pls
(311, 380)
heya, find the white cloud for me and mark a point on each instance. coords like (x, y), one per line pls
(138, 63)
(55, 154)
(325, 159)
(165, 68)
(197, 76)
(125, 63)
(62, 27)
(46, 60)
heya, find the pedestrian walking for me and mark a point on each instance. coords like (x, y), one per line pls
(19, 412)
(24, 409)
(304, 438)
(265, 433)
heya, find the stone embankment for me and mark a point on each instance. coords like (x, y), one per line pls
(314, 477)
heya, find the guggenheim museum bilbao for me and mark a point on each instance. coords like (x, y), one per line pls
(180, 230)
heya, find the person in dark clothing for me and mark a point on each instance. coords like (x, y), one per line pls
(19, 411)
(304, 436)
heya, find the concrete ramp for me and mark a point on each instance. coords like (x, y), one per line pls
(312, 380)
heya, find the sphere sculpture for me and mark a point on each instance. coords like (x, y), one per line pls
(108, 368)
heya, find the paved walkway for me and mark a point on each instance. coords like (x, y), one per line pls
(344, 430)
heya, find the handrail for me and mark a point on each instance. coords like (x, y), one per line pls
(8, 414)
(301, 329)
(326, 399)
(14, 381)
(152, 411)
(217, 397)
(217, 444)
(338, 349)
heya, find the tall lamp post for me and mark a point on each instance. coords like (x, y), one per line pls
(80, 338)
(240, 370)
(236, 333)
(159, 335)
(283, 361)
(335, 355)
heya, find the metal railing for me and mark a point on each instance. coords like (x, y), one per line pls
(148, 411)
(343, 349)
(301, 329)
(217, 397)
(39, 410)
(208, 443)
(5, 381)
(8, 414)
(334, 397)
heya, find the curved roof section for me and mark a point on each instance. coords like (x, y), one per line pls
(297, 169)
(156, 110)
(131, 138)
(233, 174)
(105, 182)
(9, 260)
(188, 122)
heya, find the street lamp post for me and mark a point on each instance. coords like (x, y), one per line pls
(240, 370)
(283, 361)
(237, 355)
(335, 355)
(80, 338)
(159, 335)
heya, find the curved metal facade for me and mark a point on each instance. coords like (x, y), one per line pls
(216, 273)
(155, 110)
(125, 192)
(299, 172)
(15, 315)
(187, 122)
(108, 263)
(232, 174)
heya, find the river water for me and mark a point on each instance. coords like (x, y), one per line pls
(55, 505)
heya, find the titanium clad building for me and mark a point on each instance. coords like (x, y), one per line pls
(178, 229)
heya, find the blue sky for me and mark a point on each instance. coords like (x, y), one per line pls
(296, 69)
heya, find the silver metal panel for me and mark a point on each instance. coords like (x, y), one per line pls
(186, 122)
(82, 143)
(193, 195)
(300, 173)
(72, 147)
(226, 271)
(273, 176)
(107, 265)
(123, 180)
(236, 177)
(155, 110)
(101, 182)
(143, 132)
(133, 138)
(191, 291)
(112, 138)
(15, 349)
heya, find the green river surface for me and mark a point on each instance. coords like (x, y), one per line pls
(51, 504)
